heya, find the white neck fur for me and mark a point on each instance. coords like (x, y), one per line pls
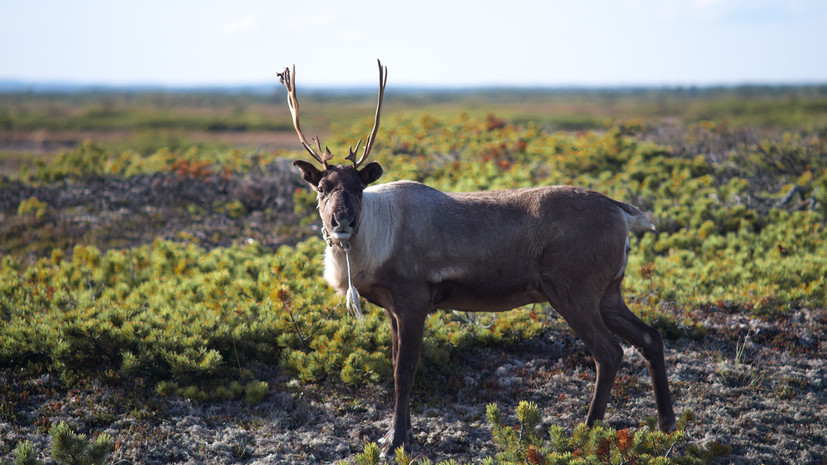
(373, 243)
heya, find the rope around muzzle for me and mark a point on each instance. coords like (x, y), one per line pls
(352, 297)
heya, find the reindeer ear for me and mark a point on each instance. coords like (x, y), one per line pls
(370, 173)
(310, 173)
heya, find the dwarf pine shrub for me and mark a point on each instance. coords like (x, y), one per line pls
(34, 207)
(67, 448)
(70, 448)
(525, 443)
(195, 323)
(24, 454)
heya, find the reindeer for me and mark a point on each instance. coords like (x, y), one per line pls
(410, 248)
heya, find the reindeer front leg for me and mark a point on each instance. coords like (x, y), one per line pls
(406, 336)
(394, 337)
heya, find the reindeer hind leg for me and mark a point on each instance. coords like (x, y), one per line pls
(648, 341)
(583, 316)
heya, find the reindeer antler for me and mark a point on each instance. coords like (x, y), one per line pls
(383, 79)
(293, 103)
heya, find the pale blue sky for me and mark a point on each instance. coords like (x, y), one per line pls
(423, 43)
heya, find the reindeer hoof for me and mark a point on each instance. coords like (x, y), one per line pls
(389, 442)
(666, 422)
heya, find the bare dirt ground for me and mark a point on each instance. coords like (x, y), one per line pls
(758, 387)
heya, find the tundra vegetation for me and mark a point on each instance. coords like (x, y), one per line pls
(117, 314)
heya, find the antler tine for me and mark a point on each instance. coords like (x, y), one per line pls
(351, 153)
(383, 79)
(293, 103)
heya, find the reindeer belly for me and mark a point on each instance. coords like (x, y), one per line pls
(484, 295)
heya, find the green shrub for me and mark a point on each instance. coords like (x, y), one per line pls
(24, 454)
(70, 448)
(192, 321)
(33, 206)
(525, 443)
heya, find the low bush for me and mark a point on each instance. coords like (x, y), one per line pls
(525, 443)
(198, 323)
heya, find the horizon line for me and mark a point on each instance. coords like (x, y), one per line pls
(12, 85)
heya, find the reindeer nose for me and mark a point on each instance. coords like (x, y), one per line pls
(341, 221)
(342, 224)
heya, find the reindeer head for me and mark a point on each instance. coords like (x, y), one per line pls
(338, 187)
